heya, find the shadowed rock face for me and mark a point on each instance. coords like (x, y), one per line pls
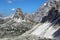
(57, 33)
(52, 15)
(1, 21)
(48, 11)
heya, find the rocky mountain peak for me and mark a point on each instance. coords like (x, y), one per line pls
(19, 13)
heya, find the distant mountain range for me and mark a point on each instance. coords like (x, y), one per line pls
(19, 23)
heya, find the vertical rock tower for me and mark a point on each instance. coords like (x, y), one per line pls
(19, 14)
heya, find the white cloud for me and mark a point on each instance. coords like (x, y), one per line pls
(13, 9)
(9, 1)
(45, 4)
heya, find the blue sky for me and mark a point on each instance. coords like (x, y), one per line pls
(8, 6)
